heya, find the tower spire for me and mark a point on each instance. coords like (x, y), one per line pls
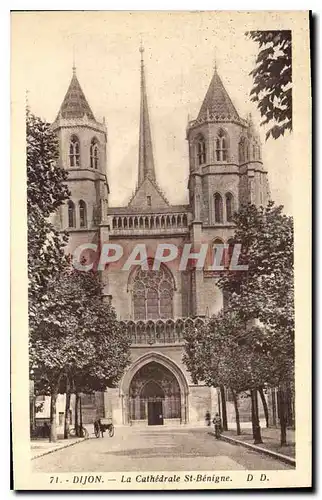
(217, 102)
(146, 161)
(74, 62)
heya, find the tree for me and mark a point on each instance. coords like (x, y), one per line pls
(46, 192)
(272, 75)
(211, 357)
(250, 345)
(265, 292)
(78, 340)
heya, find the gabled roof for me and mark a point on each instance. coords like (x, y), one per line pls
(75, 104)
(217, 101)
(148, 188)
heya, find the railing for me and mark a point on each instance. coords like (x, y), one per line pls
(127, 224)
(167, 331)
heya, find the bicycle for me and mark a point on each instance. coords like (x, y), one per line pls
(83, 432)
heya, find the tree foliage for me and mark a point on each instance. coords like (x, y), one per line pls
(272, 75)
(46, 192)
(266, 291)
(78, 336)
(250, 344)
(225, 351)
(77, 340)
(74, 336)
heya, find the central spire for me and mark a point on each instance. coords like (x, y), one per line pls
(146, 161)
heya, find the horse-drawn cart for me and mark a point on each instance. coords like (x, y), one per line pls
(102, 425)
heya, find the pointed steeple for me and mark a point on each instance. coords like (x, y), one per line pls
(146, 161)
(75, 104)
(217, 103)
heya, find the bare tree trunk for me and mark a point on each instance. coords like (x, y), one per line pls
(235, 398)
(253, 413)
(32, 406)
(273, 393)
(76, 412)
(53, 401)
(67, 408)
(282, 414)
(264, 403)
(223, 408)
(255, 420)
(80, 417)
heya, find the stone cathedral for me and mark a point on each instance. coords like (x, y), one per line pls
(225, 170)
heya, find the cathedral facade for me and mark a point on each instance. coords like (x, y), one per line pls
(154, 306)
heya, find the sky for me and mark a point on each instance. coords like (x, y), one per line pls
(180, 53)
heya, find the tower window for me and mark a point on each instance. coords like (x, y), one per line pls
(218, 208)
(201, 151)
(82, 214)
(221, 146)
(94, 154)
(229, 207)
(148, 200)
(74, 152)
(71, 214)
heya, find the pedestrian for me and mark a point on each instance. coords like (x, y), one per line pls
(208, 418)
(217, 423)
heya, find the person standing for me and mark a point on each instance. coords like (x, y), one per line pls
(217, 423)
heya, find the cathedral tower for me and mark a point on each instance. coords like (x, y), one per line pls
(225, 171)
(225, 161)
(82, 145)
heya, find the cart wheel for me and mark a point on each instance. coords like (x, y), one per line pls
(72, 432)
(111, 431)
(97, 433)
(84, 433)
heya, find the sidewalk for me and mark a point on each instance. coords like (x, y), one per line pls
(271, 442)
(42, 446)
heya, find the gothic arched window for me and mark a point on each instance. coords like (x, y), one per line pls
(222, 146)
(82, 214)
(71, 214)
(201, 150)
(153, 294)
(219, 217)
(74, 152)
(94, 154)
(229, 207)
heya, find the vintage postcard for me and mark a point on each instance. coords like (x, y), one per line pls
(161, 215)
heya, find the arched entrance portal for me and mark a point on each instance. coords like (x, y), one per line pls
(154, 395)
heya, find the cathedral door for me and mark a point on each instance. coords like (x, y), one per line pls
(154, 395)
(155, 415)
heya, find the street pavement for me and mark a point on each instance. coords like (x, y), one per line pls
(154, 449)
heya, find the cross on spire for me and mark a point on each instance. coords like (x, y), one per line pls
(215, 60)
(74, 62)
